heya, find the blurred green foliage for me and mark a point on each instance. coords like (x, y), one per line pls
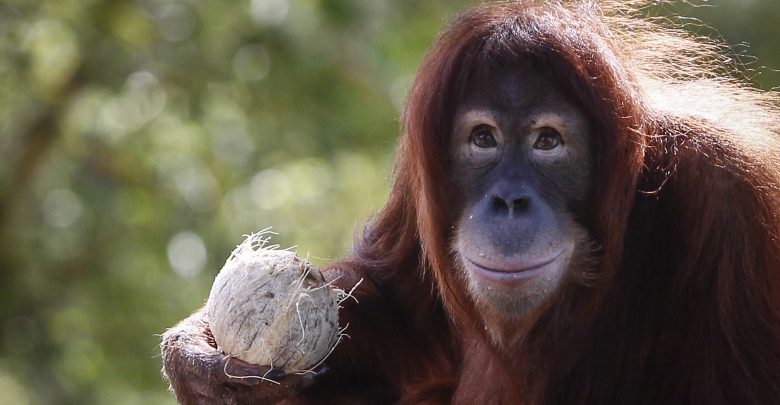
(140, 139)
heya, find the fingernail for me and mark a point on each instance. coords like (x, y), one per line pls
(319, 371)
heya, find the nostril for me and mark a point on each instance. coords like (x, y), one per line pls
(499, 204)
(510, 206)
(521, 204)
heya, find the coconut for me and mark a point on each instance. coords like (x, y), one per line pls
(272, 308)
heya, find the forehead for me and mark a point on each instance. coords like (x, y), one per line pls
(509, 89)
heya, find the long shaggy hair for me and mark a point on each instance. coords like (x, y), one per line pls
(684, 306)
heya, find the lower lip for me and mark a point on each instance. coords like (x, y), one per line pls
(506, 276)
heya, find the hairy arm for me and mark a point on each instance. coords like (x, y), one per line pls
(398, 347)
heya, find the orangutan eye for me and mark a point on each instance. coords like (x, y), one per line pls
(548, 139)
(484, 137)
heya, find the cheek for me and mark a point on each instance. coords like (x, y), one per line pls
(571, 180)
(566, 182)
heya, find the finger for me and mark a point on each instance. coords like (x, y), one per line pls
(321, 370)
(276, 374)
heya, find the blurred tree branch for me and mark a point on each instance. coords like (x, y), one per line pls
(36, 139)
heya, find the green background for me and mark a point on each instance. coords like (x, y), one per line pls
(140, 139)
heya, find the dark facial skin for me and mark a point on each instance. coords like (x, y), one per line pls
(522, 152)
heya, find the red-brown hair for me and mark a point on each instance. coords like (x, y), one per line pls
(685, 209)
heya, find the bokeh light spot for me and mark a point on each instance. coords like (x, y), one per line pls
(54, 53)
(61, 208)
(198, 187)
(269, 12)
(187, 254)
(271, 189)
